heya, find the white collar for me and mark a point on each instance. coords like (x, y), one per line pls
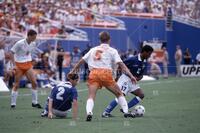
(140, 59)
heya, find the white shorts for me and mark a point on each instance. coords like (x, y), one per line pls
(126, 85)
(59, 113)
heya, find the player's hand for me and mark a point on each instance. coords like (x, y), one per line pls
(133, 79)
(50, 115)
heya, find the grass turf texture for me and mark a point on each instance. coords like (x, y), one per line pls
(172, 106)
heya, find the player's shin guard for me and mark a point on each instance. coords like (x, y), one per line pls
(34, 96)
(111, 106)
(134, 101)
(89, 106)
(14, 95)
(123, 103)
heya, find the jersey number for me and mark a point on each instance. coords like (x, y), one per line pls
(61, 91)
(98, 55)
(123, 88)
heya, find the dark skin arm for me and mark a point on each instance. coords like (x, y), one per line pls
(126, 71)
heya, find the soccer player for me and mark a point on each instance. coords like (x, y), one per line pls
(63, 97)
(100, 60)
(23, 61)
(137, 66)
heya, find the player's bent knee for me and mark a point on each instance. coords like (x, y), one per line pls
(141, 96)
(34, 85)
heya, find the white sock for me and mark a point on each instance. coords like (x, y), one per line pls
(138, 98)
(34, 96)
(14, 95)
(123, 103)
(89, 106)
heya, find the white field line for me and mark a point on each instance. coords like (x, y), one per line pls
(43, 94)
(141, 83)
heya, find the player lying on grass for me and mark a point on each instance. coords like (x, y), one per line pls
(62, 98)
(137, 66)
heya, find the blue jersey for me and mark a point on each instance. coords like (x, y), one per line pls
(63, 95)
(136, 65)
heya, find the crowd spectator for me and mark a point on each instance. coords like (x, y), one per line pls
(165, 61)
(198, 58)
(187, 57)
(2, 59)
(178, 60)
(60, 58)
(45, 16)
(75, 55)
(86, 68)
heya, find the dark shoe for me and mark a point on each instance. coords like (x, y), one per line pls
(44, 113)
(106, 115)
(121, 110)
(89, 117)
(127, 115)
(12, 106)
(37, 105)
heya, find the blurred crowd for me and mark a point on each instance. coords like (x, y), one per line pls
(49, 16)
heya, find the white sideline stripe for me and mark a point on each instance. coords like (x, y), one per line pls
(148, 83)
(167, 81)
(25, 95)
(3, 87)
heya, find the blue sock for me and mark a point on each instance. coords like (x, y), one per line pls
(111, 106)
(46, 107)
(133, 102)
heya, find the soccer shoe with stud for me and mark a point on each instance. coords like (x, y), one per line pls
(121, 110)
(44, 113)
(12, 106)
(37, 105)
(129, 115)
(106, 115)
(89, 117)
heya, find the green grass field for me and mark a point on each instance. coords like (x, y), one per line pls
(172, 106)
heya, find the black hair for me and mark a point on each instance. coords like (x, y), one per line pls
(31, 32)
(147, 48)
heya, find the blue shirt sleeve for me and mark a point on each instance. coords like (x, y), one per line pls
(53, 93)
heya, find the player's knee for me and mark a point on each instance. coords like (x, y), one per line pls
(34, 84)
(141, 96)
(118, 93)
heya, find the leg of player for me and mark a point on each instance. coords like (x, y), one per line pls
(92, 89)
(14, 92)
(109, 108)
(139, 96)
(46, 108)
(121, 99)
(31, 77)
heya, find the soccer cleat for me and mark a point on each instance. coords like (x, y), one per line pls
(37, 105)
(106, 115)
(89, 117)
(127, 115)
(121, 110)
(12, 106)
(44, 113)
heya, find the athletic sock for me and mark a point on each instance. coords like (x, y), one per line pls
(89, 106)
(122, 102)
(111, 106)
(134, 101)
(34, 96)
(14, 95)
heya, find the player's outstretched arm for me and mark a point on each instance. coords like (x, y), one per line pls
(50, 113)
(126, 71)
(75, 69)
(75, 109)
